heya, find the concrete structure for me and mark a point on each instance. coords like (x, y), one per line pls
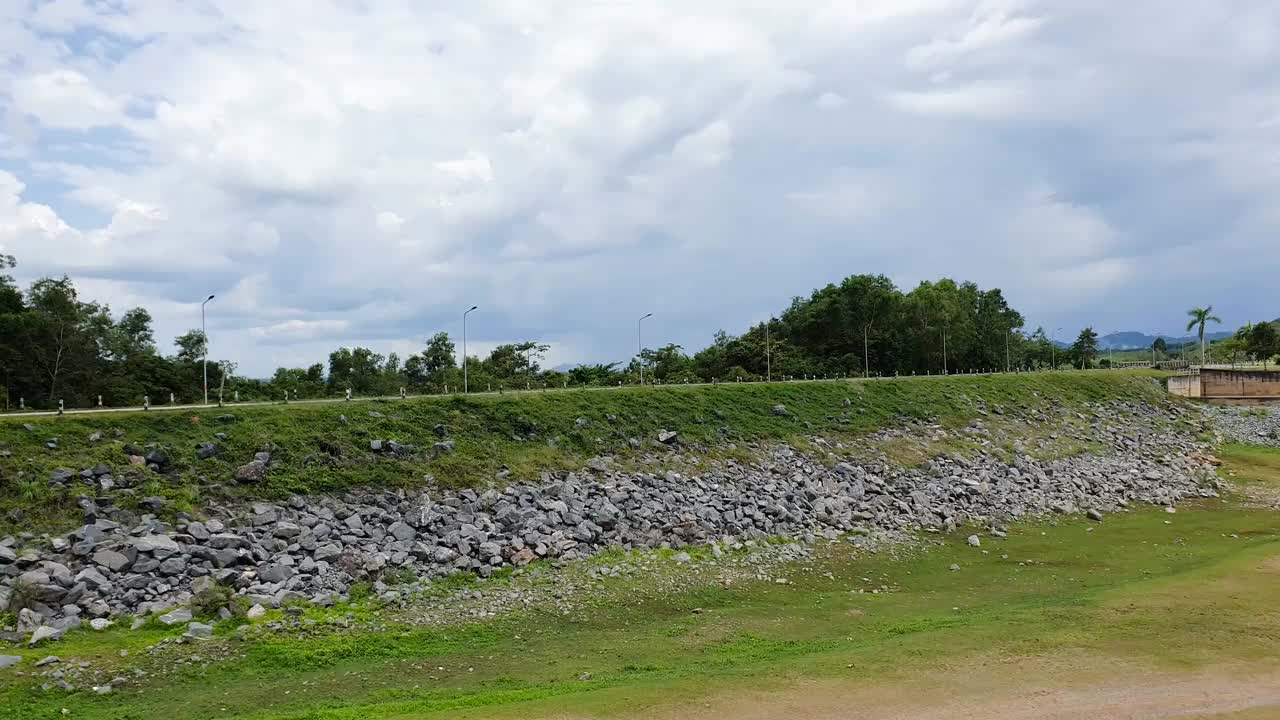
(1221, 384)
(1184, 385)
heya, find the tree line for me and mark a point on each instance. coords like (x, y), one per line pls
(55, 345)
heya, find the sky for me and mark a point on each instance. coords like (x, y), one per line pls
(350, 172)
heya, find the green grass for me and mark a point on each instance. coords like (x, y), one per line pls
(1251, 463)
(526, 433)
(1176, 591)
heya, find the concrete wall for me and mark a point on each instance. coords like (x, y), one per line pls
(1239, 384)
(1184, 385)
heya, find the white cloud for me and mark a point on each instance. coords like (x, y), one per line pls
(389, 222)
(65, 98)
(844, 201)
(294, 330)
(831, 101)
(372, 170)
(260, 238)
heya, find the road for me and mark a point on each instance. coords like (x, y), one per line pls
(312, 401)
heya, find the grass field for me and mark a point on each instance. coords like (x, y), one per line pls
(524, 433)
(1152, 593)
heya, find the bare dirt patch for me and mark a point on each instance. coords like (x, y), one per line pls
(1061, 688)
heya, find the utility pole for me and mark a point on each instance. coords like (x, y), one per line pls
(205, 360)
(465, 386)
(640, 346)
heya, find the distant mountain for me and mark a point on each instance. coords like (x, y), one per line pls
(1133, 340)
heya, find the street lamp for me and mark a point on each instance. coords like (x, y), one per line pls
(944, 349)
(205, 360)
(465, 386)
(768, 353)
(640, 346)
(866, 356)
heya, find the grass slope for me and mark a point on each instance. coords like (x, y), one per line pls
(523, 432)
(1173, 591)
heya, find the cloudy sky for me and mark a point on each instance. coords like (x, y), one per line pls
(362, 171)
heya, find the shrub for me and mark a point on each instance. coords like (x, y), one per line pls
(208, 602)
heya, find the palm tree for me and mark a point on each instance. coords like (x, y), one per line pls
(1199, 317)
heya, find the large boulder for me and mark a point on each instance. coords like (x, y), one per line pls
(275, 573)
(176, 617)
(251, 472)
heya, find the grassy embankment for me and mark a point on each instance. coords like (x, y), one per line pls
(1143, 590)
(523, 432)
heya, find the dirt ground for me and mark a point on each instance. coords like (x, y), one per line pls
(1063, 688)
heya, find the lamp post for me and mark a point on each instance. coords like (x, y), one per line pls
(640, 346)
(465, 386)
(944, 349)
(866, 355)
(768, 353)
(205, 360)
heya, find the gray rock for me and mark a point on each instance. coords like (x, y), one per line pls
(1094, 515)
(9, 660)
(668, 437)
(219, 541)
(275, 573)
(176, 617)
(327, 552)
(159, 545)
(255, 612)
(780, 410)
(199, 630)
(45, 632)
(974, 541)
(112, 560)
(206, 450)
(401, 531)
(29, 620)
(48, 660)
(444, 447)
(251, 472)
(173, 566)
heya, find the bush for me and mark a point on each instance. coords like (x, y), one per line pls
(208, 602)
(399, 576)
(21, 596)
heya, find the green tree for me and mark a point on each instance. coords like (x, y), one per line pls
(358, 369)
(598, 374)
(1160, 346)
(514, 361)
(192, 346)
(1264, 342)
(1085, 347)
(63, 336)
(1199, 318)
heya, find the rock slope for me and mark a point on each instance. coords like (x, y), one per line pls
(1255, 425)
(314, 548)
